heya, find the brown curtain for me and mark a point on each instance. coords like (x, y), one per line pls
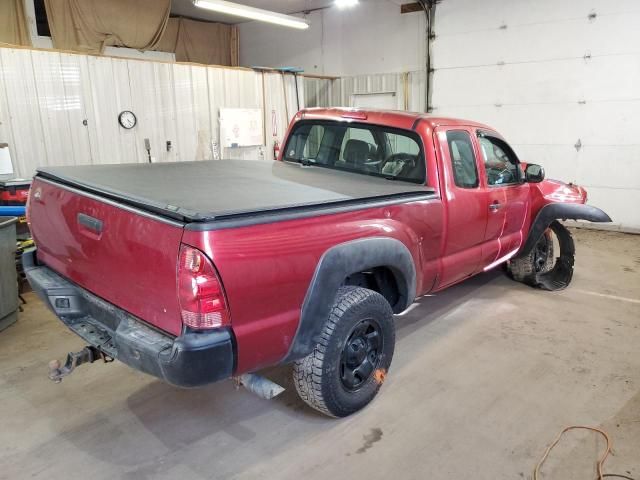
(200, 42)
(13, 23)
(90, 25)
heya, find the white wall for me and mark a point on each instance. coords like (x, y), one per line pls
(546, 74)
(549, 77)
(45, 96)
(372, 37)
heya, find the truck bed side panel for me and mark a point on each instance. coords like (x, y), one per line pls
(131, 262)
(266, 269)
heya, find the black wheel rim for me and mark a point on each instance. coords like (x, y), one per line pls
(541, 253)
(361, 354)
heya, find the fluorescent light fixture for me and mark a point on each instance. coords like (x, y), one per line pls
(252, 13)
(346, 3)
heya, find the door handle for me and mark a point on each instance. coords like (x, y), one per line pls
(495, 206)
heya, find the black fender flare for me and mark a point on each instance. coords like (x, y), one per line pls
(563, 211)
(335, 265)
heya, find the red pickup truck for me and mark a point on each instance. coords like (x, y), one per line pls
(200, 271)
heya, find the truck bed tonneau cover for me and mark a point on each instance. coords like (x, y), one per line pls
(205, 191)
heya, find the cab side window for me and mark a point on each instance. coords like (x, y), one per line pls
(500, 162)
(463, 161)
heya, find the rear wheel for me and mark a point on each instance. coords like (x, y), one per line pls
(347, 367)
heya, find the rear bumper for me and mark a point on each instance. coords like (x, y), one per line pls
(189, 360)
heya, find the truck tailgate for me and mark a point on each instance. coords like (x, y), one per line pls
(125, 256)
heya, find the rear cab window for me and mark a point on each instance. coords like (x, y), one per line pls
(359, 148)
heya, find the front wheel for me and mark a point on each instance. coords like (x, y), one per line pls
(540, 268)
(347, 367)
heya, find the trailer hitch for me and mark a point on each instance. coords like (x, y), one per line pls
(88, 354)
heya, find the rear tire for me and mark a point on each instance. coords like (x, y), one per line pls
(347, 367)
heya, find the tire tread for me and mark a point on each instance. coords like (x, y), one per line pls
(308, 371)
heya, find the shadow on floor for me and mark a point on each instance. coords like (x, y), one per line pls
(174, 420)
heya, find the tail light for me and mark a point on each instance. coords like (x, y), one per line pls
(200, 292)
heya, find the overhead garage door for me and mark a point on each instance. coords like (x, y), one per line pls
(561, 80)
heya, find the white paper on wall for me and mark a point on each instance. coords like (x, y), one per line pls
(6, 167)
(241, 127)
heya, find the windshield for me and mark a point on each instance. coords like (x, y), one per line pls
(360, 148)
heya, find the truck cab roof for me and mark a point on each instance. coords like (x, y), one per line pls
(392, 118)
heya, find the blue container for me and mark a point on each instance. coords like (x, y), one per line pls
(16, 211)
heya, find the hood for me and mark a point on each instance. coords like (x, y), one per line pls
(558, 191)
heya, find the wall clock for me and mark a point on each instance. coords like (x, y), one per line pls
(127, 119)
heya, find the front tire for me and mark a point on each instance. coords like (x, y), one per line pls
(539, 268)
(538, 261)
(347, 367)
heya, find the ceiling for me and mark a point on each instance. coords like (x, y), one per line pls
(186, 8)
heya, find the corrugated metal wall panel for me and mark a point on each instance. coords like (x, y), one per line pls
(322, 92)
(152, 100)
(108, 92)
(54, 106)
(187, 127)
(6, 132)
(75, 107)
(230, 88)
(62, 109)
(204, 125)
(340, 92)
(277, 110)
(22, 112)
(371, 84)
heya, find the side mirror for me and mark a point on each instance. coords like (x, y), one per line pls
(534, 173)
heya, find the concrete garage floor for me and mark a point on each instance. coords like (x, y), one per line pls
(485, 375)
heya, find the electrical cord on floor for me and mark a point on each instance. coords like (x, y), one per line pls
(604, 456)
